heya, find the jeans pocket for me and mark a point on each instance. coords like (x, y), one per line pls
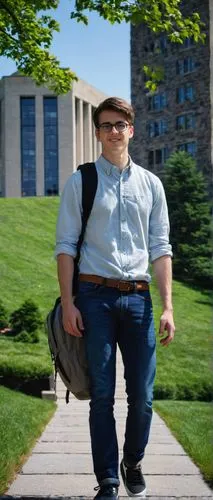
(145, 295)
(85, 287)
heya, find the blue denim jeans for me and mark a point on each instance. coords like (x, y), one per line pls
(125, 319)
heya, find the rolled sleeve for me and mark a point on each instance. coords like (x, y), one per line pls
(68, 226)
(159, 225)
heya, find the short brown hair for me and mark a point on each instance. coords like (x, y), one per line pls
(114, 104)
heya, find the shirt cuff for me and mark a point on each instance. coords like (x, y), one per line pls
(160, 252)
(65, 248)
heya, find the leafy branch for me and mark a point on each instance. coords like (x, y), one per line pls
(28, 34)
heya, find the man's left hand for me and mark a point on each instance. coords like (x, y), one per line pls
(166, 325)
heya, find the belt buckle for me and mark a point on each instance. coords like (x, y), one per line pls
(126, 286)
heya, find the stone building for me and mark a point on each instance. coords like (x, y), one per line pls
(178, 116)
(44, 137)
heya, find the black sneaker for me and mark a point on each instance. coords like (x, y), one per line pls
(107, 491)
(133, 480)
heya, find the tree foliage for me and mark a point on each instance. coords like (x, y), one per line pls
(190, 221)
(27, 33)
(26, 38)
(159, 15)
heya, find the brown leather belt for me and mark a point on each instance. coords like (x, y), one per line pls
(123, 286)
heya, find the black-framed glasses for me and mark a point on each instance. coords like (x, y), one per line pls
(119, 126)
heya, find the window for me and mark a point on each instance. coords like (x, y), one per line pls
(188, 42)
(163, 44)
(185, 122)
(184, 66)
(50, 146)
(188, 147)
(158, 156)
(185, 93)
(156, 128)
(159, 45)
(157, 102)
(151, 158)
(28, 146)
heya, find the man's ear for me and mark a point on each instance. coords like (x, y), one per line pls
(131, 131)
(97, 134)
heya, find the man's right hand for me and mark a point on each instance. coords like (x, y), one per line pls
(72, 320)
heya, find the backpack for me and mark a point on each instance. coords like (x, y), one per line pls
(67, 351)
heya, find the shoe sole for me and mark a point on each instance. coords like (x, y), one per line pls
(142, 494)
(107, 498)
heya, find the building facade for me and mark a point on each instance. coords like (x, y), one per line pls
(43, 137)
(178, 116)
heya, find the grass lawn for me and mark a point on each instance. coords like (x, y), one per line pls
(22, 419)
(184, 368)
(28, 270)
(191, 423)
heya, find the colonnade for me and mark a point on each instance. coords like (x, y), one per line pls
(87, 146)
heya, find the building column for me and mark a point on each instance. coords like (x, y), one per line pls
(79, 131)
(73, 132)
(39, 128)
(87, 120)
(12, 145)
(66, 138)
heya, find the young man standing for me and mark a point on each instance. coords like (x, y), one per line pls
(128, 228)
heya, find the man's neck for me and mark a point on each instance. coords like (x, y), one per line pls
(120, 161)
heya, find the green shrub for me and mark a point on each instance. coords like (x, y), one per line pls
(27, 337)
(3, 316)
(201, 391)
(26, 318)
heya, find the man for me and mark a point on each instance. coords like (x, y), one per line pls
(127, 228)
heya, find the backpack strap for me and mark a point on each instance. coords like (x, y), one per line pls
(89, 186)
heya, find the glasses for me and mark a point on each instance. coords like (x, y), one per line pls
(119, 126)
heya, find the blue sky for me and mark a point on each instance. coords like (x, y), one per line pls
(98, 53)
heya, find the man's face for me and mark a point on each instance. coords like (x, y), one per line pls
(114, 140)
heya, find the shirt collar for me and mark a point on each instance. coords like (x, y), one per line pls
(109, 168)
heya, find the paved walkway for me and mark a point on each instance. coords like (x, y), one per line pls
(60, 465)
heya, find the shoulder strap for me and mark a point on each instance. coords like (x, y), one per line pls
(89, 187)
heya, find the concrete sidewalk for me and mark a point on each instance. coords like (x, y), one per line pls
(60, 465)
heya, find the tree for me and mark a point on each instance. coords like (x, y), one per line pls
(190, 221)
(26, 33)
(26, 38)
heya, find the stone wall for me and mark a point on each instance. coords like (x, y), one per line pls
(146, 49)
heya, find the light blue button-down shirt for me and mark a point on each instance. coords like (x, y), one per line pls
(128, 225)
